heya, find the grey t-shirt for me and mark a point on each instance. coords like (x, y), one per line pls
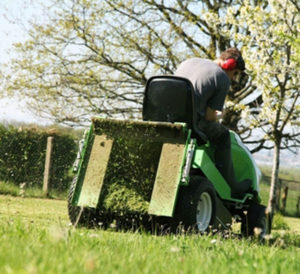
(210, 82)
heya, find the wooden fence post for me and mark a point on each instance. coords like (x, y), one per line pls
(48, 160)
(284, 198)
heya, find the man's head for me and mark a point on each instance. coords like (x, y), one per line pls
(232, 59)
(232, 62)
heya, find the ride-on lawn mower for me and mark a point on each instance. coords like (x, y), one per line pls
(161, 170)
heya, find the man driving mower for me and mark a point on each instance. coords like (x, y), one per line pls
(211, 81)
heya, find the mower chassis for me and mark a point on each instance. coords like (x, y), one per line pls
(179, 153)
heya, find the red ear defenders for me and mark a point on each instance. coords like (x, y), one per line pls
(229, 64)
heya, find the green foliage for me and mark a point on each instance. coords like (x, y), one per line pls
(268, 31)
(7, 188)
(22, 156)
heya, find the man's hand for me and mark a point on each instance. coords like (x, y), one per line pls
(219, 114)
(212, 114)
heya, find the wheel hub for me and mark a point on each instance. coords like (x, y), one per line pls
(204, 211)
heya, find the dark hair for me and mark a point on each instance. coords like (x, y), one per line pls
(236, 54)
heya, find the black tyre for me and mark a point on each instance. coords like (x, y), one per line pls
(196, 205)
(256, 222)
(87, 217)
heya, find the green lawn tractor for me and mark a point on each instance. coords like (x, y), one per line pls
(160, 172)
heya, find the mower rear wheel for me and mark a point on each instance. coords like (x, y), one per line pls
(204, 211)
(256, 222)
(86, 217)
(196, 207)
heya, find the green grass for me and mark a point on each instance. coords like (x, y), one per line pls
(36, 238)
(285, 173)
(291, 174)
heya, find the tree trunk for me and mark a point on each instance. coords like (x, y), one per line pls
(274, 178)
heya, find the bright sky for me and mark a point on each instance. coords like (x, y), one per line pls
(10, 32)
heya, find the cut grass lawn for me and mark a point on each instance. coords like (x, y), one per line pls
(36, 238)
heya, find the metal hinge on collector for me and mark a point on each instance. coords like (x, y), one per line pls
(188, 163)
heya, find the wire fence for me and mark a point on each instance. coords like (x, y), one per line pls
(288, 195)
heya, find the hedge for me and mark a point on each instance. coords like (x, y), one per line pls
(22, 156)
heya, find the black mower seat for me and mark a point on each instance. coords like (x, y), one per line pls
(171, 99)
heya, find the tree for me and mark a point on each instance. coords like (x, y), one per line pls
(271, 43)
(94, 57)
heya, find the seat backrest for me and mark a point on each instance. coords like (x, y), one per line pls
(170, 99)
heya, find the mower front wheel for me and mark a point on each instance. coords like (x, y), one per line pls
(257, 222)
